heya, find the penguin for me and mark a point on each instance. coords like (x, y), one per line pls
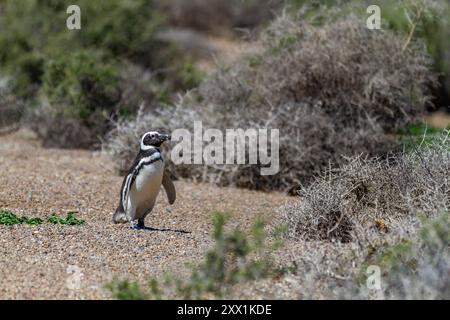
(143, 181)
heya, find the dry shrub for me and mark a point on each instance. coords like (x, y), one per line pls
(348, 71)
(413, 267)
(391, 213)
(332, 90)
(140, 86)
(370, 195)
(307, 132)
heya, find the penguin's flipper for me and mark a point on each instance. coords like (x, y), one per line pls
(169, 187)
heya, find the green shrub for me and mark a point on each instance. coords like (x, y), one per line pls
(430, 21)
(187, 74)
(80, 94)
(75, 82)
(122, 29)
(11, 107)
(81, 83)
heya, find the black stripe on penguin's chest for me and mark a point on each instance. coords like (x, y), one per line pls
(144, 154)
(145, 163)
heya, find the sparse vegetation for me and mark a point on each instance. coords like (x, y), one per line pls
(70, 219)
(234, 258)
(82, 89)
(9, 218)
(126, 290)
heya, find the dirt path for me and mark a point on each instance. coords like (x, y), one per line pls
(36, 261)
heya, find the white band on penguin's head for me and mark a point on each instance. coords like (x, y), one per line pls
(143, 145)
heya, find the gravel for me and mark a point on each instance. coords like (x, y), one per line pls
(39, 262)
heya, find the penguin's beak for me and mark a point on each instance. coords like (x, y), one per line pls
(166, 137)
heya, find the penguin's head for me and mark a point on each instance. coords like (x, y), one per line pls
(153, 139)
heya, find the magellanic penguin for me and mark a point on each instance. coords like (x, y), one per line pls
(141, 185)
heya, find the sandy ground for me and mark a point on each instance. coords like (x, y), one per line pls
(439, 119)
(45, 261)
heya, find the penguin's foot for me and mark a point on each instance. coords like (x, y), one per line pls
(141, 224)
(137, 224)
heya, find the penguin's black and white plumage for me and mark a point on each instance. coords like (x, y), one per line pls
(143, 181)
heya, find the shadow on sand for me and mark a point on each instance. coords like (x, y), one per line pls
(163, 230)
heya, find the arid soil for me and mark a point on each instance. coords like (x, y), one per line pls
(40, 262)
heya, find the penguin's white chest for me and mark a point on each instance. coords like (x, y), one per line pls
(150, 177)
(145, 189)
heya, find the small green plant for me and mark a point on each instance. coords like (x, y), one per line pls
(68, 220)
(234, 258)
(9, 218)
(31, 220)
